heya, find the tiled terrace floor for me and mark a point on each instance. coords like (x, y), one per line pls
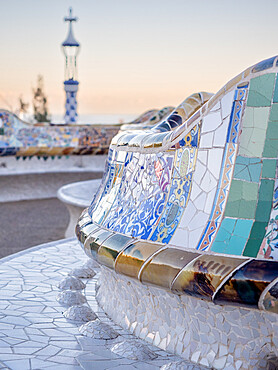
(33, 331)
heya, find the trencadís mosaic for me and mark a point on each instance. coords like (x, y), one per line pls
(189, 203)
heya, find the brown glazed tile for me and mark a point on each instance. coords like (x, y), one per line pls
(246, 285)
(270, 298)
(133, 256)
(94, 240)
(110, 249)
(201, 277)
(164, 266)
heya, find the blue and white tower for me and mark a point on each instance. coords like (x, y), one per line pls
(70, 48)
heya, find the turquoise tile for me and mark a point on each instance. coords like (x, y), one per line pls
(263, 210)
(243, 228)
(270, 149)
(266, 190)
(272, 131)
(269, 168)
(242, 199)
(248, 169)
(236, 245)
(254, 169)
(218, 247)
(242, 160)
(249, 191)
(275, 96)
(261, 89)
(274, 113)
(223, 234)
(241, 172)
(228, 224)
(247, 209)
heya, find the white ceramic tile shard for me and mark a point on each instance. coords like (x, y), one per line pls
(226, 103)
(34, 334)
(220, 135)
(215, 158)
(180, 238)
(210, 122)
(206, 141)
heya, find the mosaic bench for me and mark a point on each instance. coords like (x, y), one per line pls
(190, 206)
(22, 139)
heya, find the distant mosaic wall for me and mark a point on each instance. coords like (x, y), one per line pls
(22, 139)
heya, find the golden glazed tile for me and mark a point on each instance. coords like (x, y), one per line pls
(94, 240)
(132, 258)
(111, 247)
(164, 266)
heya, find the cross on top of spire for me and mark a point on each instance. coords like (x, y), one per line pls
(70, 40)
(70, 17)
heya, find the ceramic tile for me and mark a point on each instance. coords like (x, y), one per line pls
(226, 104)
(202, 276)
(206, 140)
(269, 168)
(131, 259)
(165, 265)
(261, 89)
(211, 122)
(94, 240)
(269, 300)
(111, 247)
(242, 199)
(265, 64)
(220, 134)
(246, 285)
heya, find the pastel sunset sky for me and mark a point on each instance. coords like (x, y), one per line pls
(135, 55)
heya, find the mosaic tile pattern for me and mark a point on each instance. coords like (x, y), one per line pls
(22, 139)
(34, 332)
(26, 140)
(211, 186)
(198, 204)
(219, 337)
(208, 181)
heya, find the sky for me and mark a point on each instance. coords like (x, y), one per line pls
(135, 55)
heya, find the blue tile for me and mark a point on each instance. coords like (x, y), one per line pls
(243, 227)
(265, 64)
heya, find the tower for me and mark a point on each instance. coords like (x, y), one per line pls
(70, 48)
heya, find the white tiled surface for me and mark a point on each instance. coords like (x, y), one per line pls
(33, 331)
(220, 337)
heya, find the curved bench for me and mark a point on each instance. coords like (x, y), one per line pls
(191, 206)
(24, 139)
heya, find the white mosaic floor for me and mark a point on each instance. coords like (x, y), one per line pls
(33, 331)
